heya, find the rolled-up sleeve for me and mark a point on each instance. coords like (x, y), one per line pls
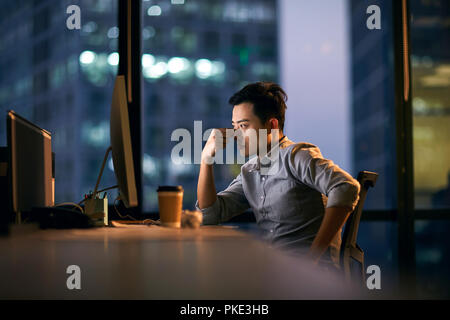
(308, 165)
(230, 203)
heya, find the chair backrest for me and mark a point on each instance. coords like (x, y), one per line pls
(350, 251)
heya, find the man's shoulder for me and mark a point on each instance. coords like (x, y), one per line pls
(301, 151)
(302, 148)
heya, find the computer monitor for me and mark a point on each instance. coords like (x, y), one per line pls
(30, 160)
(30, 156)
(122, 154)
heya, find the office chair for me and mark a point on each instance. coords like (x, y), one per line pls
(351, 255)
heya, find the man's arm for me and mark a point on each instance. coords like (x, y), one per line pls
(341, 189)
(206, 190)
(332, 222)
(220, 207)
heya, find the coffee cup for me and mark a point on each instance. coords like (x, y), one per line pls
(170, 200)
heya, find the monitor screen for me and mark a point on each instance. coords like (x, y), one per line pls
(30, 156)
(122, 154)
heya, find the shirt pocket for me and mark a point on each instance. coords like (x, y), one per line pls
(284, 201)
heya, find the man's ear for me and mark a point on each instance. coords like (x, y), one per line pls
(273, 123)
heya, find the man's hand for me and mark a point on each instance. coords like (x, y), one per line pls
(332, 222)
(217, 139)
(206, 190)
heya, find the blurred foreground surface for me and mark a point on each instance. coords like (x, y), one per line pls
(140, 262)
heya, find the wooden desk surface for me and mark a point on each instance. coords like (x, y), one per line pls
(213, 262)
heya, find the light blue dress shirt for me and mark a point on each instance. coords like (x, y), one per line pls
(288, 204)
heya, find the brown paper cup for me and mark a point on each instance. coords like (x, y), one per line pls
(170, 201)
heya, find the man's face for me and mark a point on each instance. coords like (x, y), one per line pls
(248, 124)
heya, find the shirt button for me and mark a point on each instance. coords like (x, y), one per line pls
(271, 230)
(262, 197)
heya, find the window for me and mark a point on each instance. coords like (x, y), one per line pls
(378, 239)
(62, 80)
(266, 47)
(430, 70)
(373, 110)
(211, 43)
(194, 70)
(432, 258)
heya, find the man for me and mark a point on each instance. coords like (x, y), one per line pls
(303, 205)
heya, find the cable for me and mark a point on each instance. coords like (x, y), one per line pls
(109, 188)
(69, 204)
(117, 211)
(150, 221)
(146, 221)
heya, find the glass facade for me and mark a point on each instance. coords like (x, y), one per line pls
(432, 258)
(430, 71)
(62, 80)
(378, 240)
(373, 109)
(196, 54)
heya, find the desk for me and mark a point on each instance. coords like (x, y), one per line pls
(141, 262)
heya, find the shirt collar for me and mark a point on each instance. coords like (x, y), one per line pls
(257, 164)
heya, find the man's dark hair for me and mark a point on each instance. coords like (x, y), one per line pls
(268, 99)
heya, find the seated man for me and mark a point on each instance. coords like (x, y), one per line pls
(290, 203)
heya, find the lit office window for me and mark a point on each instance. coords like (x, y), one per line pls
(62, 80)
(195, 56)
(211, 43)
(430, 70)
(185, 40)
